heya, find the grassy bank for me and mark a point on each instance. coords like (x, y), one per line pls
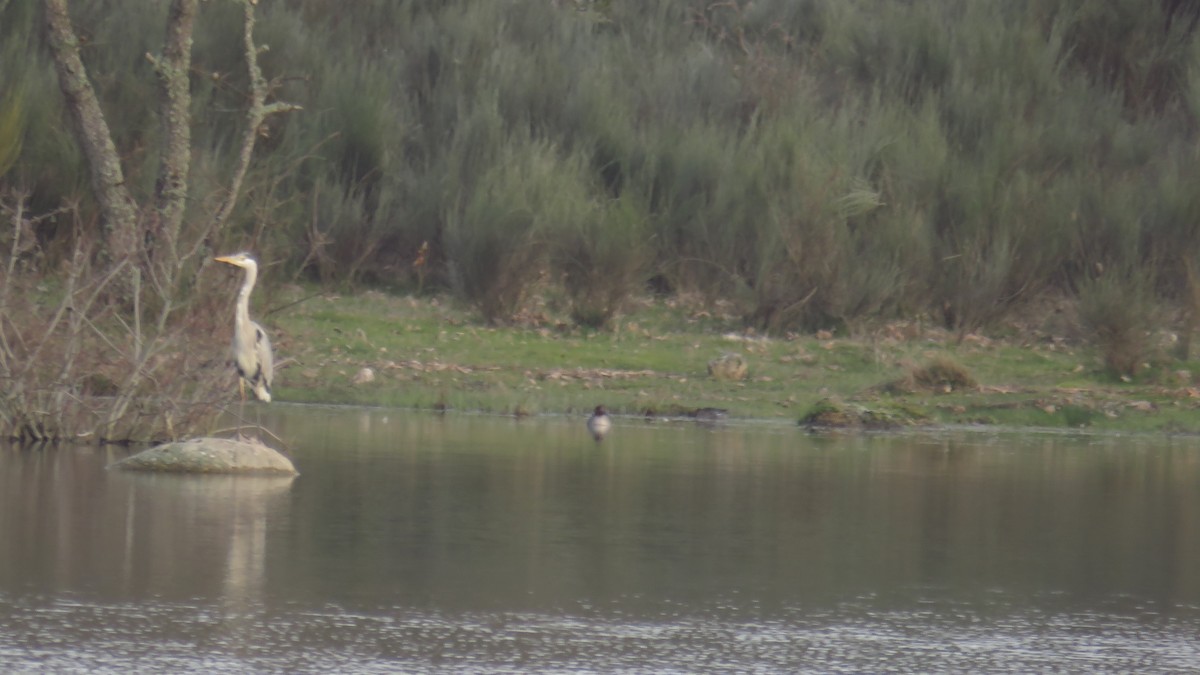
(430, 354)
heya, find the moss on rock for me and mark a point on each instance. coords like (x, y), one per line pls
(833, 414)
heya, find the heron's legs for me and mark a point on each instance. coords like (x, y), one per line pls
(241, 420)
(242, 411)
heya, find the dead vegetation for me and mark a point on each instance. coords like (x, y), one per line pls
(79, 361)
(941, 374)
(118, 338)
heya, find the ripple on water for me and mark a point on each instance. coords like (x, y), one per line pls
(60, 636)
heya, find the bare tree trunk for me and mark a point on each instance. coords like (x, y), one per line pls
(117, 206)
(171, 190)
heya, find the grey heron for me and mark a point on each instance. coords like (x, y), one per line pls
(251, 346)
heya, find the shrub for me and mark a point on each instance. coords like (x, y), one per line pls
(496, 240)
(816, 251)
(1118, 307)
(819, 162)
(604, 258)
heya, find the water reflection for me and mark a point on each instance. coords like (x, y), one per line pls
(202, 519)
(490, 512)
(415, 541)
(70, 524)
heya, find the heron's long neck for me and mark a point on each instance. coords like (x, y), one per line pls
(243, 300)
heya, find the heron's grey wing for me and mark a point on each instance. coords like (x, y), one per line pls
(266, 359)
(245, 354)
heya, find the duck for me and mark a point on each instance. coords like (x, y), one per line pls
(599, 424)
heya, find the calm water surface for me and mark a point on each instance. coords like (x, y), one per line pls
(417, 543)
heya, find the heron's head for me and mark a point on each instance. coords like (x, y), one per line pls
(243, 260)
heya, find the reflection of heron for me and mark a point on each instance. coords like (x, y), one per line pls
(251, 347)
(599, 423)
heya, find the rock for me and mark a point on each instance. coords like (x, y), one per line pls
(364, 376)
(830, 414)
(209, 455)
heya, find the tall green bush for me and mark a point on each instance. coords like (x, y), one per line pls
(604, 257)
(496, 231)
(818, 162)
(1118, 309)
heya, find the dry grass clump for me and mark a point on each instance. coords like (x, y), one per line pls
(941, 374)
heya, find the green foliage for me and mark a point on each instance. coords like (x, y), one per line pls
(1141, 50)
(13, 99)
(495, 239)
(12, 127)
(604, 258)
(818, 163)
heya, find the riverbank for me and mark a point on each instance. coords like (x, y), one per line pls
(376, 349)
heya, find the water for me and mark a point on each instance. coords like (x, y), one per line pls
(467, 543)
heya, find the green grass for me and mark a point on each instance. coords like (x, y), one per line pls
(429, 354)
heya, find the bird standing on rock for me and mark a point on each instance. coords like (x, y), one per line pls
(251, 347)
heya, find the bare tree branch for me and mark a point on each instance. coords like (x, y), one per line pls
(258, 112)
(124, 363)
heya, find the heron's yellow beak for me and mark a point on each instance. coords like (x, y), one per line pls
(227, 260)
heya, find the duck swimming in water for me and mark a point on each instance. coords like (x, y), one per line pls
(599, 423)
